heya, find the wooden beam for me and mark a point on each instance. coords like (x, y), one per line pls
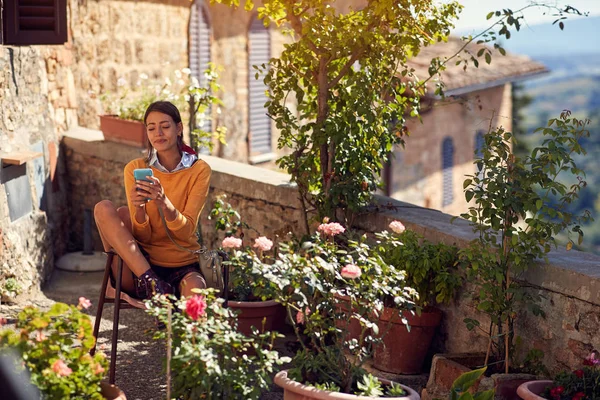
(19, 157)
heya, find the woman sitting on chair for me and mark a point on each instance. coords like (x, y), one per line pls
(153, 262)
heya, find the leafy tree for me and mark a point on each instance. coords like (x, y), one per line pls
(350, 74)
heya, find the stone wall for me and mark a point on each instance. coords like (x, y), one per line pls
(569, 283)
(29, 238)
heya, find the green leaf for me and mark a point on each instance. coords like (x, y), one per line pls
(488, 58)
(490, 15)
(485, 395)
(466, 380)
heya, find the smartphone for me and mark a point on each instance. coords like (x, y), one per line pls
(141, 174)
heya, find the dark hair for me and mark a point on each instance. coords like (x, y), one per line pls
(165, 107)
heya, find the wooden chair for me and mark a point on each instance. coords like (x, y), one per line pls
(122, 300)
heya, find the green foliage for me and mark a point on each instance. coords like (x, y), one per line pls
(395, 390)
(516, 219)
(227, 219)
(370, 386)
(9, 288)
(210, 358)
(431, 269)
(462, 384)
(322, 298)
(583, 383)
(54, 346)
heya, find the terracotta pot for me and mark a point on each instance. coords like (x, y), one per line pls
(252, 313)
(293, 390)
(533, 389)
(404, 352)
(350, 325)
(111, 392)
(132, 133)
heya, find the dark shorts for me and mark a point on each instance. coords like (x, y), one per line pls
(172, 275)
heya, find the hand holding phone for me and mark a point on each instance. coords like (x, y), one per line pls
(142, 174)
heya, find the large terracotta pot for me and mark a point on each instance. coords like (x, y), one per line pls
(111, 392)
(293, 390)
(533, 389)
(132, 133)
(252, 313)
(404, 352)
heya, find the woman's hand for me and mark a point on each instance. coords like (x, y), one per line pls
(155, 192)
(138, 198)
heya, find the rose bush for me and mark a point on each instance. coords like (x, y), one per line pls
(581, 384)
(209, 358)
(326, 282)
(54, 346)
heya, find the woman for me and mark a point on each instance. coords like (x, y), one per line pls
(153, 263)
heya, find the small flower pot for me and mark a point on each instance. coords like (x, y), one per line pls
(132, 133)
(404, 352)
(252, 313)
(111, 392)
(533, 390)
(293, 390)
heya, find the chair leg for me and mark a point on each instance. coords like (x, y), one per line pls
(109, 259)
(115, 332)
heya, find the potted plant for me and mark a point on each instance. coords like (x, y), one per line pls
(207, 356)
(124, 110)
(311, 277)
(581, 384)
(519, 205)
(54, 348)
(431, 270)
(249, 294)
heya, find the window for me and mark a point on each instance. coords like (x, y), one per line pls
(33, 22)
(479, 144)
(199, 51)
(447, 165)
(259, 123)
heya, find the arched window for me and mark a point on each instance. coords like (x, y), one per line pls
(447, 165)
(259, 124)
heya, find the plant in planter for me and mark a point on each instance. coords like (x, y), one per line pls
(250, 294)
(54, 348)
(431, 270)
(313, 278)
(581, 384)
(207, 355)
(519, 205)
(124, 110)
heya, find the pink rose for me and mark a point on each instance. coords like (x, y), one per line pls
(397, 226)
(263, 243)
(61, 368)
(351, 271)
(592, 359)
(195, 306)
(85, 303)
(39, 336)
(331, 229)
(300, 315)
(231, 243)
(98, 369)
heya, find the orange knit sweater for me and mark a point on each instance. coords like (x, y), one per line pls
(187, 190)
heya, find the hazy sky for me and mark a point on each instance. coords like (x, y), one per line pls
(475, 11)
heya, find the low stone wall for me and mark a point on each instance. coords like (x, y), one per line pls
(569, 283)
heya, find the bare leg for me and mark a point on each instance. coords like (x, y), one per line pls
(115, 231)
(192, 280)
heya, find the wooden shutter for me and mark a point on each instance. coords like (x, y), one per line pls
(447, 170)
(200, 37)
(259, 124)
(31, 22)
(199, 51)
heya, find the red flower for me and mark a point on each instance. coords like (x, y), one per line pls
(195, 306)
(578, 396)
(560, 390)
(579, 373)
(556, 392)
